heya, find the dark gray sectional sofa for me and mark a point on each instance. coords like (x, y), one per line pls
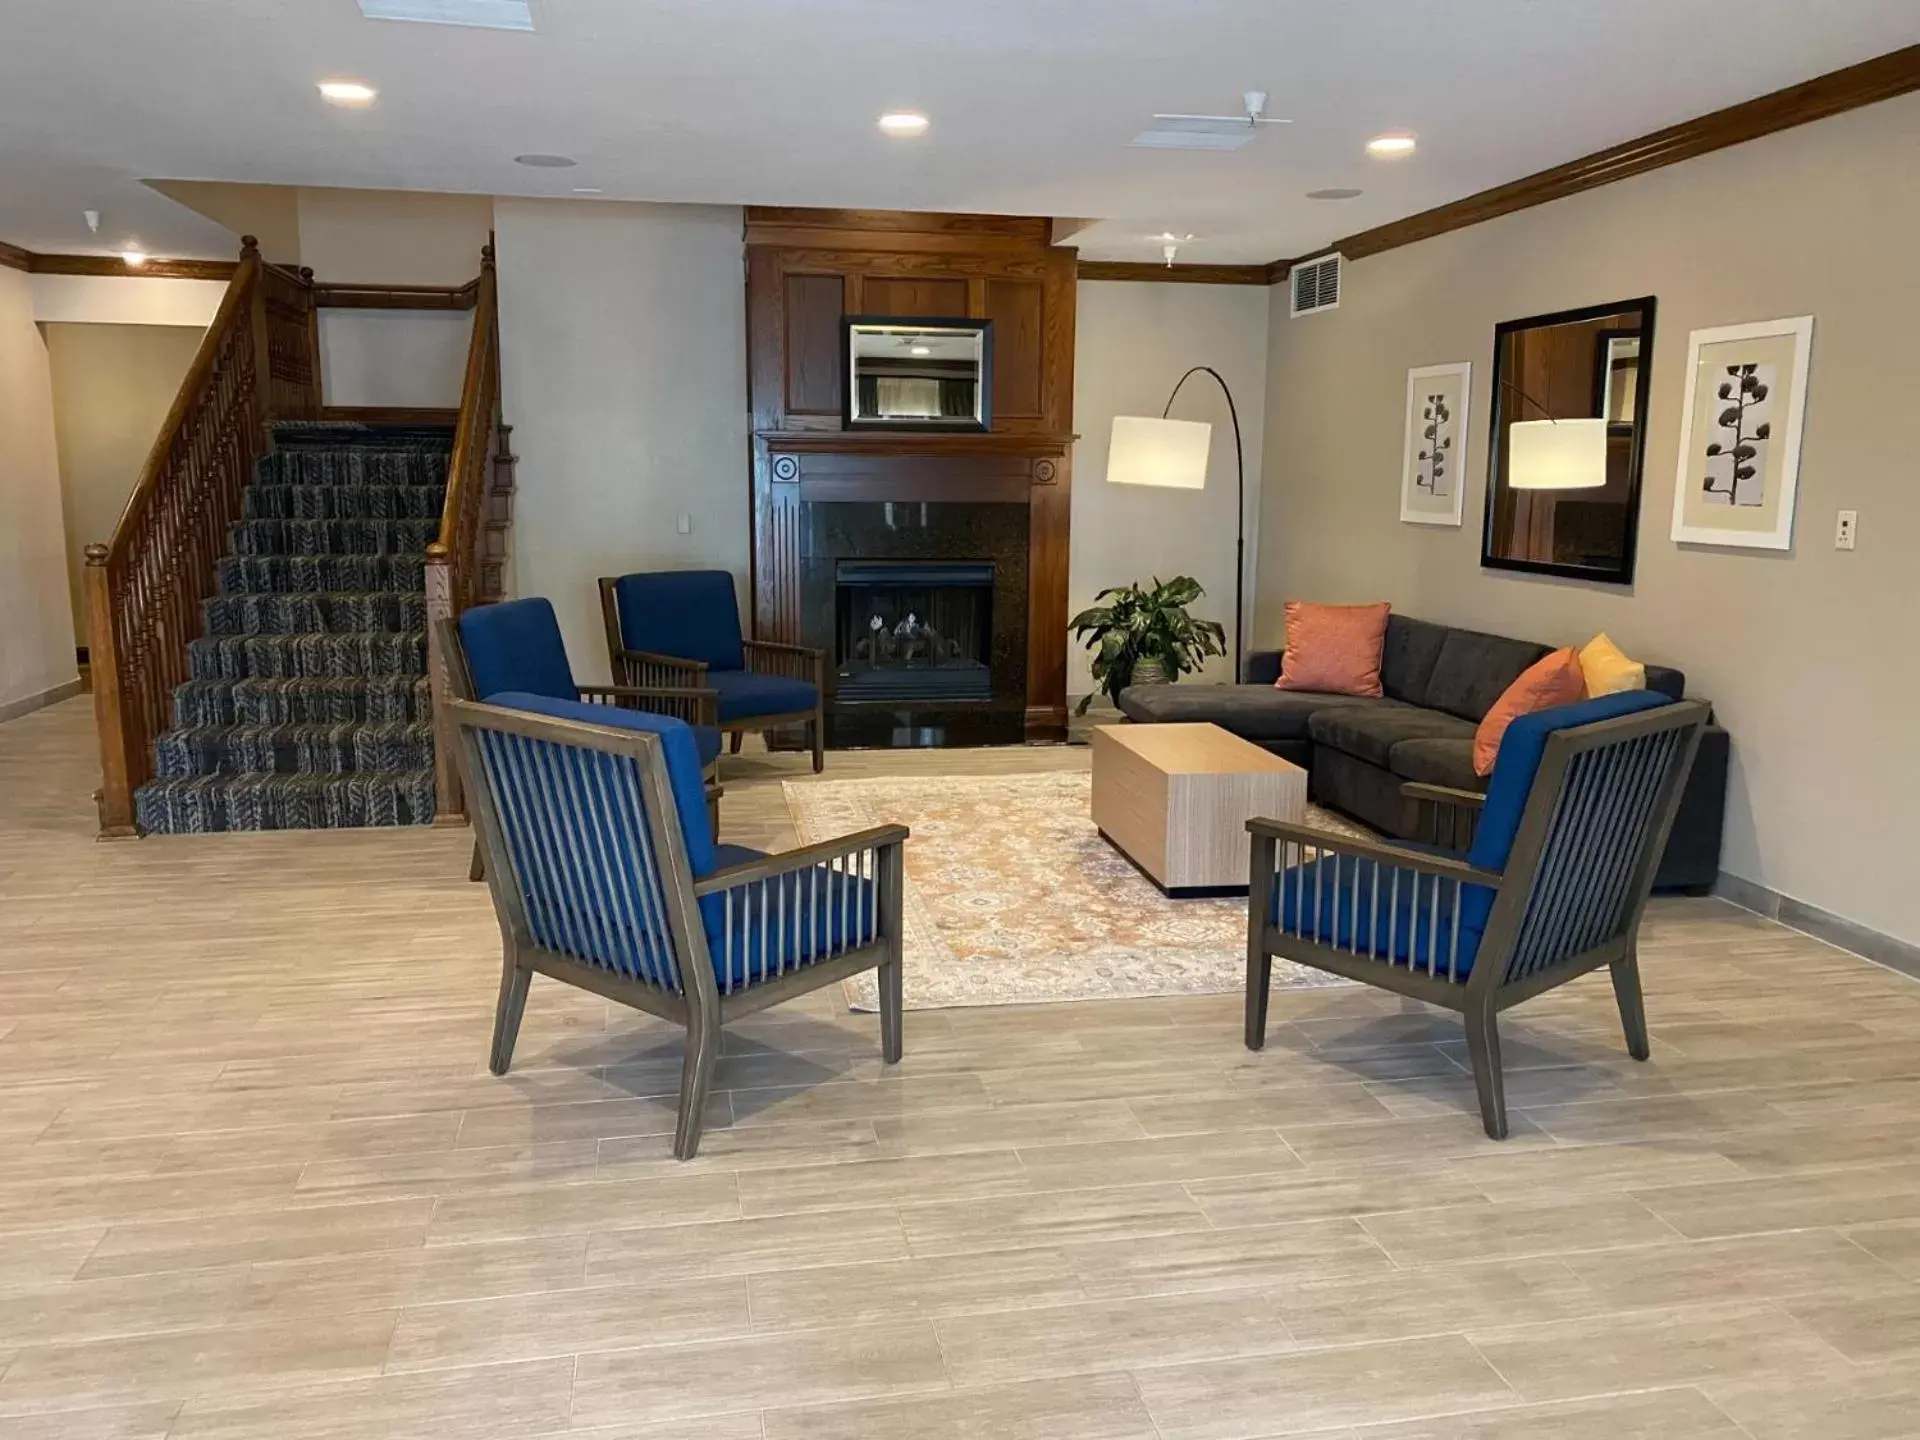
(1439, 683)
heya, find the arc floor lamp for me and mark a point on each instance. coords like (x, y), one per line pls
(1172, 455)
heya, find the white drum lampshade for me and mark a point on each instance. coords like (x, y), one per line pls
(1557, 454)
(1171, 454)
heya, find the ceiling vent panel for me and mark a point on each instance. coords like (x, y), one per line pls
(1315, 285)
(1168, 135)
(477, 14)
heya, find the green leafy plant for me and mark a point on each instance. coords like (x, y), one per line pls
(1129, 625)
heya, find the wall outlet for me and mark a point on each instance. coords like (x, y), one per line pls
(1845, 528)
(686, 523)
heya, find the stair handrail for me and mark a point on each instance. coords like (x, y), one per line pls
(457, 560)
(257, 362)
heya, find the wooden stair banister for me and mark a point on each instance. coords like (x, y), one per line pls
(257, 363)
(462, 564)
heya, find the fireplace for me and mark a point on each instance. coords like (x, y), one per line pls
(913, 630)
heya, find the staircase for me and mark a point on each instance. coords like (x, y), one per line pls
(308, 705)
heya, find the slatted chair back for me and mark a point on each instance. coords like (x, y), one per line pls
(1594, 826)
(586, 851)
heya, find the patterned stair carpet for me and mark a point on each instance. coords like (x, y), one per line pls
(308, 705)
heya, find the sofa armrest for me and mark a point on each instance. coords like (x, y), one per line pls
(1262, 667)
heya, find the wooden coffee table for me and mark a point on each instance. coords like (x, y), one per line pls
(1175, 800)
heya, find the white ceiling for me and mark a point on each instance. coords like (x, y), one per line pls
(773, 102)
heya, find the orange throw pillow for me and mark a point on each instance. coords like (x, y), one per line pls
(1555, 680)
(1334, 649)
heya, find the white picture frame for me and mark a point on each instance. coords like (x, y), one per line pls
(1738, 475)
(1433, 467)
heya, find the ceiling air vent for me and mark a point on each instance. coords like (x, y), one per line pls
(1316, 285)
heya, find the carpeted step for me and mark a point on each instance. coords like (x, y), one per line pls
(354, 467)
(391, 699)
(208, 803)
(289, 574)
(333, 537)
(311, 613)
(361, 653)
(343, 502)
(293, 749)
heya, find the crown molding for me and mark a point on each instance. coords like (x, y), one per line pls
(1173, 274)
(1882, 78)
(113, 265)
(14, 258)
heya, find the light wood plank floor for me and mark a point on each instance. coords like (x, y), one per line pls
(257, 1183)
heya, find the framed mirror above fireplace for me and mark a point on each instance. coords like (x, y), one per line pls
(917, 374)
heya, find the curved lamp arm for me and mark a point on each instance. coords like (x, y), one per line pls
(1240, 513)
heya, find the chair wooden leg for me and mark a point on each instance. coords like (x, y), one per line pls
(1633, 1010)
(1259, 982)
(477, 870)
(1259, 962)
(892, 1002)
(696, 1077)
(1483, 1050)
(892, 975)
(506, 1016)
(819, 741)
(734, 737)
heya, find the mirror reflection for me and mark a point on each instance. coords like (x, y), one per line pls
(924, 374)
(1569, 433)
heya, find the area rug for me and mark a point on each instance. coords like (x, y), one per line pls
(1013, 898)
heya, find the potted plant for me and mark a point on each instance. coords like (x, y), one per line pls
(1146, 637)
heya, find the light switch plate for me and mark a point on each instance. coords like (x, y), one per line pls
(686, 523)
(1845, 529)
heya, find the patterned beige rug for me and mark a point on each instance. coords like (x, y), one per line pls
(1013, 898)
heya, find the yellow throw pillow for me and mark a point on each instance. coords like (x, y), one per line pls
(1608, 670)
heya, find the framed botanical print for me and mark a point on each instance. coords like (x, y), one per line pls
(1740, 434)
(1433, 463)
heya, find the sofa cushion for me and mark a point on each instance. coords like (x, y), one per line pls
(1438, 761)
(1474, 670)
(747, 696)
(1546, 684)
(1334, 649)
(1258, 713)
(1407, 660)
(1670, 683)
(1371, 732)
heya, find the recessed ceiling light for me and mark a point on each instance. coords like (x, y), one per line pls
(1390, 147)
(587, 190)
(135, 258)
(1338, 192)
(546, 162)
(904, 123)
(347, 92)
(921, 350)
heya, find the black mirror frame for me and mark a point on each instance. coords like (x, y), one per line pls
(1621, 574)
(848, 399)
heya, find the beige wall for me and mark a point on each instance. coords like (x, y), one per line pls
(1132, 344)
(36, 627)
(112, 387)
(623, 356)
(392, 237)
(1806, 654)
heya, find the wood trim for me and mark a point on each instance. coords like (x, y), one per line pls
(772, 224)
(397, 297)
(14, 258)
(113, 265)
(1835, 93)
(907, 442)
(1147, 272)
(393, 414)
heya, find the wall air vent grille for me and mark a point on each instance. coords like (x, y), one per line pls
(1316, 285)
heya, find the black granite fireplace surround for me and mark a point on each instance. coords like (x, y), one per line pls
(921, 608)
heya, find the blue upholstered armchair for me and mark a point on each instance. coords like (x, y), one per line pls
(1573, 825)
(682, 627)
(512, 653)
(605, 875)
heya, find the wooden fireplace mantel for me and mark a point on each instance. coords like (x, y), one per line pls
(806, 269)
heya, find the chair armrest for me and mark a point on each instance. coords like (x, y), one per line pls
(879, 837)
(695, 706)
(1442, 794)
(648, 668)
(792, 662)
(1396, 856)
(811, 651)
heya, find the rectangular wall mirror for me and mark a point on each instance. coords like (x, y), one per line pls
(918, 374)
(1569, 436)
